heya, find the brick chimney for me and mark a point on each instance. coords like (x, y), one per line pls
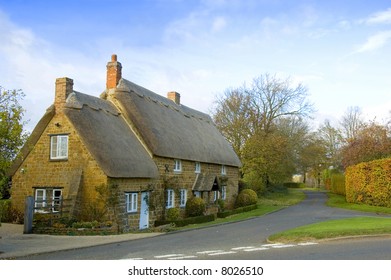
(114, 72)
(174, 96)
(64, 87)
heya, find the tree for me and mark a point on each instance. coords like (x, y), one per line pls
(232, 116)
(351, 122)
(332, 139)
(12, 135)
(371, 142)
(273, 98)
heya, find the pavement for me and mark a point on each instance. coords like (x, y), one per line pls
(13, 243)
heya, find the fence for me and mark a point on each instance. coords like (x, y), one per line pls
(46, 211)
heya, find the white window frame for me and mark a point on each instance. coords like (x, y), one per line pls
(40, 200)
(197, 167)
(197, 193)
(177, 165)
(41, 195)
(223, 192)
(182, 197)
(59, 146)
(223, 170)
(170, 202)
(216, 195)
(131, 202)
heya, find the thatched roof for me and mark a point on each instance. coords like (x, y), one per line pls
(172, 130)
(108, 137)
(206, 182)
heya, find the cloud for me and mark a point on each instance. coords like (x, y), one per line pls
(375, 42)
(219, 24)
(379, 17)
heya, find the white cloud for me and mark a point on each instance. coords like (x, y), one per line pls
(375, 42)
(379, 17)
(219, 24)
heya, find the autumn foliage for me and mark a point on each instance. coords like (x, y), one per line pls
(369, 183)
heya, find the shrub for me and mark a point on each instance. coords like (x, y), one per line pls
(337, 184)
(195, 206)
(10, 214)
(172, 214)
(369, 183)
(246, 197)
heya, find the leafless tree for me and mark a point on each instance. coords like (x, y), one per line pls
(351, 122)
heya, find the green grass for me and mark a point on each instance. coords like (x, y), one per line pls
(339, 201)
(335, 228)
(340, 228)
(268, 203)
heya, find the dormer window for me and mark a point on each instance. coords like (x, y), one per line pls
(58, 147)
(177, 165)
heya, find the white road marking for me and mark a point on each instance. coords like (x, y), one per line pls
(307, 243)
(169, 256)
(222, 253)
(134, 259)
(209, 252)
(283, 246)
(272, 245)
(256, 249)
(182, 258)
(242, 248)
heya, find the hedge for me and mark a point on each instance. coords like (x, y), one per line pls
(187, 221)
(225, 214)
(337, 184)
(369, 183)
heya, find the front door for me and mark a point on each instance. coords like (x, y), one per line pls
(144, 211)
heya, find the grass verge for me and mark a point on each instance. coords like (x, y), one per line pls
(335, 228)
(339, 201)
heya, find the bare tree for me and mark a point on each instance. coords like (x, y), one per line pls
(351, 122)
(273, 98)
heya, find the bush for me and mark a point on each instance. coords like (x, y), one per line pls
(172, 214)
(187, 221)
(337, 184)
(246, 197)
(9, 214)
(294, 185)
(369, 183)
(225, 214)
(195, 206)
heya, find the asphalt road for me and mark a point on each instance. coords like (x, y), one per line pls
(242, 240)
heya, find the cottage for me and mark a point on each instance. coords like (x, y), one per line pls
(148, 152)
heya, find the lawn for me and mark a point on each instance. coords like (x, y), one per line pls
(340, 228)
(335, 228)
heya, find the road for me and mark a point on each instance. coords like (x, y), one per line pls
(243, 240)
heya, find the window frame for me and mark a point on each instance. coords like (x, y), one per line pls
(131, 201)
(56, 147)
(177, 165)
(223, 170)
(197, 167)
(48, 195)
(223, 192)
(182, 197)
(170, 202)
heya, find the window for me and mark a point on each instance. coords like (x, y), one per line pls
(197, 167)
(197, 194)
(216, 195)
(59, 147)
(223, 192)
(223, 170)
(183, 198)
(44, 198)
(131, 202)
(170, 198)
(177, 165)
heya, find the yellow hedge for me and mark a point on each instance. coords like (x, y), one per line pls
(369, 183)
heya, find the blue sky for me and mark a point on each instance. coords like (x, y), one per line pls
(341, 50)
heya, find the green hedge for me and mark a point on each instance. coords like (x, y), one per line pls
(225, 214)
(294, 185)
(187, 221)
(369, 183)
(337, 184)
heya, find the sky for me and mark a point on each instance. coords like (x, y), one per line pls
(340, 50)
